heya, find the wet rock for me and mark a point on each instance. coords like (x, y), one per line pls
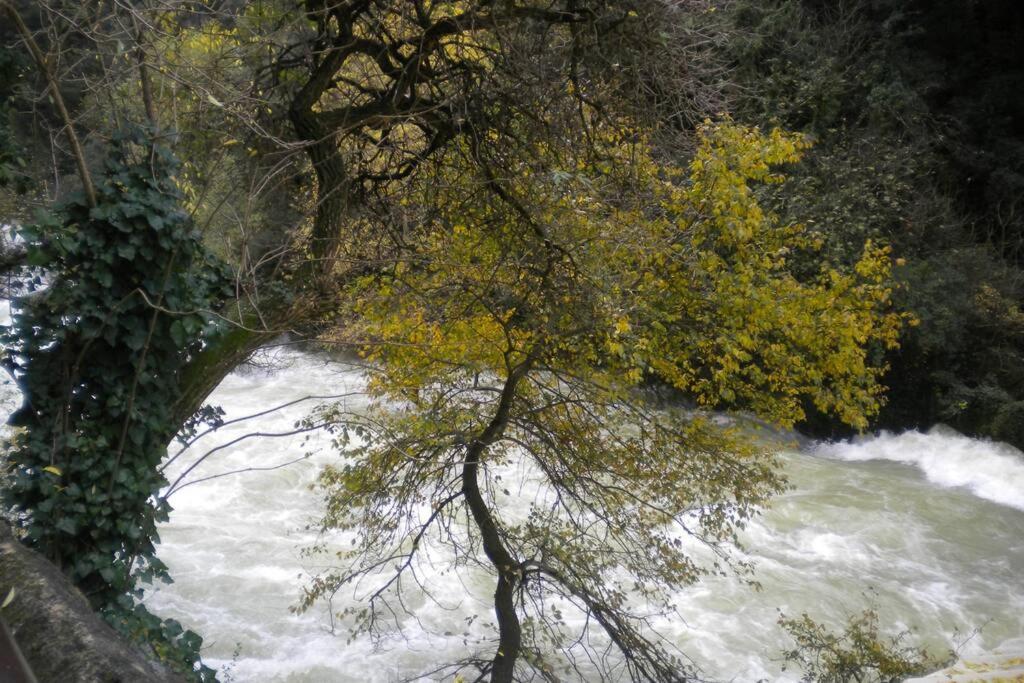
(1005, 664)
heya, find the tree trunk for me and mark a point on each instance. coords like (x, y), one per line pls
(509, 630)
(509, 570)
(212, 365)
(334, 203)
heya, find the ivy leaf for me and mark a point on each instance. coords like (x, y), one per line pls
(67, 525)
(178, 333)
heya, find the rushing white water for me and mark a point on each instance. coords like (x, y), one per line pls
(932, 523)
(947, 458)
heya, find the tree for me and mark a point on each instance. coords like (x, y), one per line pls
(522, 329)
(911, 116)
(376, 92)
(375, 95)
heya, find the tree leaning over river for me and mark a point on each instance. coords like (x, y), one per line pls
(520, 331)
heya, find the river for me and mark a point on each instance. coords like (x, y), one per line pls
(929, 527)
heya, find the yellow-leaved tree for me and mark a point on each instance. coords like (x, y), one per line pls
(546, 302)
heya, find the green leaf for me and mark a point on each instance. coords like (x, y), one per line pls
(67, 525)
(178, 333)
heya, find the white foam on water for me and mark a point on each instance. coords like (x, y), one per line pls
(10, 395)
(841, 531)
(994, 471)
(941, 552)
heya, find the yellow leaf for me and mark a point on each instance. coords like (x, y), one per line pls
(52, 470)
(8, 600)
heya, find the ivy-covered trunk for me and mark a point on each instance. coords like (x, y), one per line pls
(98, 345)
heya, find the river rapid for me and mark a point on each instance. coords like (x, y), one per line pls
(929, 527)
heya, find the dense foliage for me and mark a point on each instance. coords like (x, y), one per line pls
(115, 309)
(916, 117)
(11, 156)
